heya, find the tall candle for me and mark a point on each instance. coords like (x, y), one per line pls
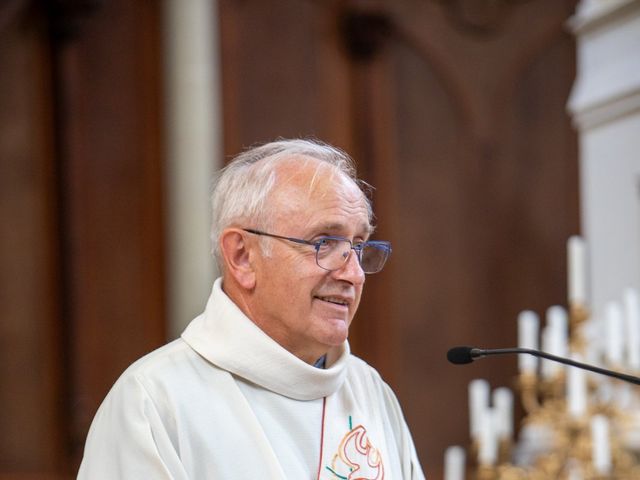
(528, 329)
(554, 339)
(548, 367)
(576, 390)
(454, 463)
(577, 270)
(488, 441)
(614, 334)
(503, 405)
(632, 323)
(478, 405)
(558, 320)
(601, 449)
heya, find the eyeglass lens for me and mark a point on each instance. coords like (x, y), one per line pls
(332, 254)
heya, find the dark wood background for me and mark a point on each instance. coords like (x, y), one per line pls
(453, 109)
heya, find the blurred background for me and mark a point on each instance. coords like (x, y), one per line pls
(114, 115)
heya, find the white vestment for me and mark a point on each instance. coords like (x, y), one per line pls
(225, 401)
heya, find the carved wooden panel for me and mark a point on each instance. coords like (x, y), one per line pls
(487, 196)
(31, 433)
(81, 247)
(109, 83)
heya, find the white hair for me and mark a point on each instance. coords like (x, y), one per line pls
(241, 188)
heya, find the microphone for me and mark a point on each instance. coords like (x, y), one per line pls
(463, 355)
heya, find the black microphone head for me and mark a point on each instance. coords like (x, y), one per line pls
(460, 355)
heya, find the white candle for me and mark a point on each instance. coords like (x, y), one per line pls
(528, 329)
(454, 463)
(576, 390)
(577, 268)
(554, 340)
(478, 405)
(601, 450)
(615, 334)
(503, 405)
(632, 317)
(488, 441)
(558, 320)
(548, 367)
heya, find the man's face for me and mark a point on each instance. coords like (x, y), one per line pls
(303, 307)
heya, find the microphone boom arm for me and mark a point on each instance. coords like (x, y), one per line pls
(480, 353)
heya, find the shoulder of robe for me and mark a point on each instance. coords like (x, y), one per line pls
(165, 365)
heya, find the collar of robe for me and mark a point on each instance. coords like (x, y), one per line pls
(227, 338)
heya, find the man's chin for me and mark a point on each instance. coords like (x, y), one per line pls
(337, 333)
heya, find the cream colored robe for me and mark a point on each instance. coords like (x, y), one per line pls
(227, 402)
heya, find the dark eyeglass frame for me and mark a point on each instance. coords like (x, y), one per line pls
(358, 247)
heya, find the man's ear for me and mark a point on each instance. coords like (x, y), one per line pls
(237, 257)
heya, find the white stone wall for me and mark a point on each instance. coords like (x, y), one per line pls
(605, 104)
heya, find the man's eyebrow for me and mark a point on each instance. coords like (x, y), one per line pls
(365, 228)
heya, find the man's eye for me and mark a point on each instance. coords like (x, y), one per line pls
(327, 244)
(324, 242)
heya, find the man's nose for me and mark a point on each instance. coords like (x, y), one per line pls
(351, 271)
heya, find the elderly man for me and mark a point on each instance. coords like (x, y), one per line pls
(262, 384)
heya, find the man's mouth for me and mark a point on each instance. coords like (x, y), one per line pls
(334, 300)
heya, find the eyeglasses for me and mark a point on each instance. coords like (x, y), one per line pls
(333, 252)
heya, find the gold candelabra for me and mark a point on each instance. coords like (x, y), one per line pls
(576, 426)
(569, 449)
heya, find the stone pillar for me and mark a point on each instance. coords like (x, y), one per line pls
(193, 152)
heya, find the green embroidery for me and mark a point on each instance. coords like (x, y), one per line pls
(336, 474)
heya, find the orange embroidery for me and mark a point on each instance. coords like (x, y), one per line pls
(357, 457)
